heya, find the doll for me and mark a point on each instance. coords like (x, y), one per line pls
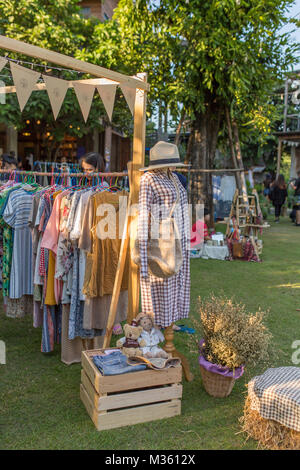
(152, 337)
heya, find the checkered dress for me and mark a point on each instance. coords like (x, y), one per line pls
(276, 395)
(168, 299)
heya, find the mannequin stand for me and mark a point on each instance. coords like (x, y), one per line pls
(170, 349)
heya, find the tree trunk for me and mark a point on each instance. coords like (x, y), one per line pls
(206, 130)
(189, 148)
(178, 130)
(159, 136)
(231, 145)
(166, 120)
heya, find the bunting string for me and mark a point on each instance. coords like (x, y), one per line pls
(25, 80)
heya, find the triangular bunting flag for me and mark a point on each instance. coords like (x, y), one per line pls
(130, 94)
(57, 89)
(85, 94)
(3, 62)
(24, 80)
(107, 94)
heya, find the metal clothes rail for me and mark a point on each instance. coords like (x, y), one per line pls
(61, 174)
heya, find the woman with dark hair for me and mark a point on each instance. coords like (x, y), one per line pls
(9, 162)
(92, 162)
(278, 194)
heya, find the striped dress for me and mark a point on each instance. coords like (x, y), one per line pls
(168, 299)
(16, 215)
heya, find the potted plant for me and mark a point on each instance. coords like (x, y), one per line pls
(232, 338)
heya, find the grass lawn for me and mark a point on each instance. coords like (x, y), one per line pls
(40, 406)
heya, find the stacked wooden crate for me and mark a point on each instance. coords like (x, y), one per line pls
(136, 397)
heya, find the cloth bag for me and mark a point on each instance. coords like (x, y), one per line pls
(164, 251)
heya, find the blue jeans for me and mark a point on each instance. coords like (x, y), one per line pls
(115, 363)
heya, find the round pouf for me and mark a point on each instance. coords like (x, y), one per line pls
(272, 409)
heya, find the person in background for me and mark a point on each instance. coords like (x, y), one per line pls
(9, 162)
(200, 231)
(296, 187)
(27, 165)
(278, 195)
(92, 162)
(266, 183)
(182, 179)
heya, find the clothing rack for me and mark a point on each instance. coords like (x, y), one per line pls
(67, 175)
(139, 84)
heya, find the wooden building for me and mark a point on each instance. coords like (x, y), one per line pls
(103, 10)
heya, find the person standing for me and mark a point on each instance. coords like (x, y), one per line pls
(92, 162)
(278, 194)
(296, 187)
(9, 162)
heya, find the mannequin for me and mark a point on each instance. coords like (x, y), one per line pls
(168, 299)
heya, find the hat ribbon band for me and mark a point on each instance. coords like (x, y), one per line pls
(164, 160)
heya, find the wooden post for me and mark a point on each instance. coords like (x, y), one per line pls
(134, 179)
(138, 161)
(238, 154)
(279, 154)
(170, 349)
(14, 45)
(118, 281)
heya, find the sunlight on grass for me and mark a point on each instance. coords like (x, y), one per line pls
(290, 286)
(39, 395)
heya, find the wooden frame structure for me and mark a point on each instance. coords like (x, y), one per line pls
(241, 212)
(139, 83)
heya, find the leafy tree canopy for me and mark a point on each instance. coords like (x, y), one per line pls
(56, 25)
(204, 56)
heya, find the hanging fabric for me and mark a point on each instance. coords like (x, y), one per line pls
(107, 94)
(44, 261)
(3, 63)
(85, 94)
(24, 80)
(56, 89)
(130, 95)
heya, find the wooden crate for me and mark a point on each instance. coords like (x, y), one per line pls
(123, 400)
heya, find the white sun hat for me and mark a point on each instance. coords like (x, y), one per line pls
(163, 155)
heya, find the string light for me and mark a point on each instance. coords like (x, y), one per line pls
(47, 68)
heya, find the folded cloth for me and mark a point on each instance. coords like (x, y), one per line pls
(115, 363)
(156, 363)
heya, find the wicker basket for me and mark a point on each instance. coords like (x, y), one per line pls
(216, 385)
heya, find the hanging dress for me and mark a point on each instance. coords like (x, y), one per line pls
(168, 298)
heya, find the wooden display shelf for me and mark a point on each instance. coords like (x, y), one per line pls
(127, 399)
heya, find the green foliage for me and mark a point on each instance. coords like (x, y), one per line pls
(58, 26)
(54, 25)
(198, 54)
(231, 49)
